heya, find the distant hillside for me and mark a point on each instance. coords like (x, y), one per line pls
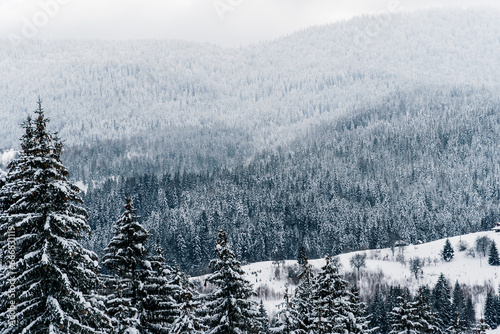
(169, 105)
(386, 268)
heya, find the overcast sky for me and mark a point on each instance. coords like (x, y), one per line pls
(225, 22)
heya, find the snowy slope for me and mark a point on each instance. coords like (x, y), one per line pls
(382, 265)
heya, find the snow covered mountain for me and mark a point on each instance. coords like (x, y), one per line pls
(220, 106)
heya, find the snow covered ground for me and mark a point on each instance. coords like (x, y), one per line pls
(270, 278)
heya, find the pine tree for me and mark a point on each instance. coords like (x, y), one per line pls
(428, 320)
(379, 320)
(55, 277)
(458, 308)
(125, 257)
(337, 309)
(490, 311)
(264, 318)
(188, 306)
(493, 259)
(231, 310)
(357, 319)
(303, 298)
(441, 301)
(470, 313)
(404, 318)
(288, 319)
(448, 251)
(157, 301)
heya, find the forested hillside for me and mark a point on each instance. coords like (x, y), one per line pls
(153, 106)
(341, 137)
(408, 168)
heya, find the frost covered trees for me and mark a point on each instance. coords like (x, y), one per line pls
(448, 252)
(230, 309)
(493, 259)
(303, 298)
(55, 277)
(288, 318)
(337, 309)
(125, 257)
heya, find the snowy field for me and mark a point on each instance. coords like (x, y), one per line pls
(382, 265)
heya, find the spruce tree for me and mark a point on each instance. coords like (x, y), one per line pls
(187, 320)
(55, 277)
(125, 257)
(441, 301)
(493, 259)
(490, 311)
(357, 318)
(404, 318)
(379, 320)
(157, 301)
(470, 313)
(288, 318)
(264, 318)
(458, 308)
(336, 308)
(428, 320)
(303, 298)
(447, 252)
(230, 309)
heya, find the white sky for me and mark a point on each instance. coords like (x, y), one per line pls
(238, 22)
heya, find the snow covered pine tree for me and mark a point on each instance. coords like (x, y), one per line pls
(55, 277)
(229, 307)
(125, 257)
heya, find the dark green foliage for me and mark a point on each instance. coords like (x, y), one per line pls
(125, 257)
(264, 319)
(303, 298)
(448, 251)
(229, 308)
(379, 319)
(470, 313)
(157, 296)
(493, 258)
(441, 303)
(288, 318)
(404, 318)
(428, 320)
(459, 312)
(490, 310)
(55, 277)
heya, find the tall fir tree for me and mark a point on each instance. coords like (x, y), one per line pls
(229, 304)
(379, 320)
(470, 314)
(441, 301)
(490, 310)
(404, 318)
(358, 322)
(55, 277)
(493, 259)
(264, 319)
(159, 306)
(303, 297)
(458, 308)
(447, 253)
(288, 318)
(428, 320)
(125, 257)
(188, 305)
